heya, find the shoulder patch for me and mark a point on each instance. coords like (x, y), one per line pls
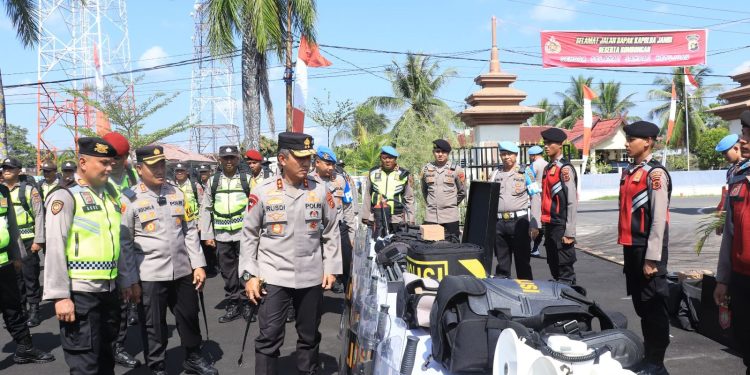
(252, 200)
(129, 193)
(56, 207)
(656, 182)
(565, 174)
(329, 199)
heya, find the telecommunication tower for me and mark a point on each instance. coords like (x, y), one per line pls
(212, 107)
(80, 42)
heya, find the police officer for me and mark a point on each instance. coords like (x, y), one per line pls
(68, 170)
(168, 257)
(190, 189)
(729, 146)
(443, 189)
(258, 172)
(288, 218)
(51, 180)
(643, 230)
(12, 252)
(390, 194)
(559, 208)
(733, 270)
(204, 173)
(325, 171)
(220, 226)
(29, 210)
(84, 265)
(534, 172)
(513, 222)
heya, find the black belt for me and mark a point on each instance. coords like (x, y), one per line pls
(510, 215)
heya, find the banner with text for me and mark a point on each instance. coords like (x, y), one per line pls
(597, 49)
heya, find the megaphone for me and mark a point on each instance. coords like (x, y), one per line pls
(513, 356)
(547, 365)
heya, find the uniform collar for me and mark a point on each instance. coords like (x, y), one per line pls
(743, 165)
(632, 167)
(10, 188)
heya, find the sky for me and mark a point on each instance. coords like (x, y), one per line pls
(161, 32)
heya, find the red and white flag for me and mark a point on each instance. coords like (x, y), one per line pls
(98, 74)
(672, 113)
(588, 118)
(690, 83)
(308, 56)
(102, 122)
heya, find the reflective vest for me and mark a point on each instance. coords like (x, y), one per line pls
(389, 186)
(24, 218)
(191, 199)
(554, 193)
(739, 203)
(4, 233)
(634, 224)
(46, 188)
(129, 179)
(93, 244)
(229, 203)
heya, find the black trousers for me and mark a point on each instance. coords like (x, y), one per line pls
(450, 228)
(538, 239)
(28, 278)
(10, 303)
(271, 320)
(346, 251)
(122, 329)
(512, 241)
(180, 297)
(210, 253)
(87, 342)
(739, 290)
(560, 257)
(650, 298)
(229, 259)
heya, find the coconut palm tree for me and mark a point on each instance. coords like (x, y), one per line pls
(549, 116)
(572, 106)
(608, 104)
(695, 103)
(263, 28)
(365, 119)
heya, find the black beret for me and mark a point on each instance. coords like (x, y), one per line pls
(150, 154)
(229, 151)
(95, 146)
(300, 144)
(554, 135)
(641, 129)
(442, 144)
(745, 118)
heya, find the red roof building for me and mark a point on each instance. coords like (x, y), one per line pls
(605, 134)
(532, 135)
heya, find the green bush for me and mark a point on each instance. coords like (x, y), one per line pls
(708, 158)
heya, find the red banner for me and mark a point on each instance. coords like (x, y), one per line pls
(587, 49)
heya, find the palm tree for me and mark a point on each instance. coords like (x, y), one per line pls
(365, 120)
(695, 103)
(572, 107)
(608, 104)
(263, 26)
(549, 116)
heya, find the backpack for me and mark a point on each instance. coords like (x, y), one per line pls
(215, 184)
(23, 182)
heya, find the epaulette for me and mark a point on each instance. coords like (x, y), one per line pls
(403, 172)
(129, 193)
(743, 167)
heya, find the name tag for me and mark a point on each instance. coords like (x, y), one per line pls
(91, 207)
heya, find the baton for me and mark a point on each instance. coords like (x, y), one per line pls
(244, 339)
(144, 334)
(203, 308)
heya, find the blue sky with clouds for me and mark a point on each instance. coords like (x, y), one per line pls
(161, 32)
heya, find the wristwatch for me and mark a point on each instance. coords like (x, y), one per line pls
(246, 276)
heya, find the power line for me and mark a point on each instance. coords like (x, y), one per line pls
(653, 11)
(697, 7)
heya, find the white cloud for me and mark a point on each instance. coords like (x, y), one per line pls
(152, 57)
(554, 10)
(744, 67)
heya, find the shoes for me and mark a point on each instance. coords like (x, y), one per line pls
(290, 315)
(27, 353)
(338, 287)
(248, 312)
(33, 320)
(132, 315)
(536, 254)
(232, 313)
(125, 359)
(652, 369)
(196, 364)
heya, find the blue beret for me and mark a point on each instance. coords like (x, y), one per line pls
(389, 150)
(535, 150)
(325, 153)
(508, 146)
(727, 142)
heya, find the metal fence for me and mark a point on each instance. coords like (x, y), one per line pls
(479, 162)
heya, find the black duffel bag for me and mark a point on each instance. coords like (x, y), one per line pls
(441, 258)
(469, 314)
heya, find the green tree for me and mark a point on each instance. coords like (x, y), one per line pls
(365, 117)
(268, 146)
(331, 117)
(572, 105)
(129, 119)
(263, 28)
(695, 104)
(609, 104)
(708, 158)
(548, 117)
(19, 147)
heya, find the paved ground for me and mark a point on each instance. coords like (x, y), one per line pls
(597, 232)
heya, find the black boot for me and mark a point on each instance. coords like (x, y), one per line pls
(33, 320)
(196, 364)
(232, 313)
(132, 314)
(248, 312)
(124, 359)
(338, 286)
(27, 353)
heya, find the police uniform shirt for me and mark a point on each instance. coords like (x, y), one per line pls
(205, 222)
(345, 211)
(409, 209)
(57, 283)
(566, 178)
(724, 267)
(659, 209)
(283, 230)
(443, 189)
(536, 200)
(165, 244)
(37, 210)
(15, 250)
(47, 187)
(513, 194)
(187, 189)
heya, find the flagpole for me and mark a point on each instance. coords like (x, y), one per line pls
(687, 118)
(288, 75)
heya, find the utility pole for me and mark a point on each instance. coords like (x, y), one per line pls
(288, 71)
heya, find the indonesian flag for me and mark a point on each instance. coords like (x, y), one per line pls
(98, 75)
(588, 118)
(308, 56)
(672, 113)
(690, 83)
